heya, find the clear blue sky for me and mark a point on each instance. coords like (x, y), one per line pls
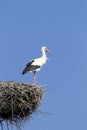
(61, 25)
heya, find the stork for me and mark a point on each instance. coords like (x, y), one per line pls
(37, 63)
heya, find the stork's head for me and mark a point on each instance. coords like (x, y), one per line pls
(44, 49)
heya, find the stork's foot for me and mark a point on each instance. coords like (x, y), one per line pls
(35, 80)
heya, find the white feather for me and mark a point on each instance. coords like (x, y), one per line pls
(40, 61)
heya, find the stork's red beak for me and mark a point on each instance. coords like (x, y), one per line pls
(49, 52)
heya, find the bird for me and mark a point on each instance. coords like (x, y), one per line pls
(37, 63)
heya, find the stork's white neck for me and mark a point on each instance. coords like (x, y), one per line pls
(44, 55)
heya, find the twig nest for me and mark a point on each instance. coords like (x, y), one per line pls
(18, 100)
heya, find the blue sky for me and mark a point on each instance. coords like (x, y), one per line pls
(27, 25)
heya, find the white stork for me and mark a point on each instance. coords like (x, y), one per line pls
(36, 64)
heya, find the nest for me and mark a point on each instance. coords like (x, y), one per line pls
(18, 101)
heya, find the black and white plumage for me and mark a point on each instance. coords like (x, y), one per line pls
(36, 64)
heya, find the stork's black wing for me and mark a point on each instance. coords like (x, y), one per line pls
(30, 67)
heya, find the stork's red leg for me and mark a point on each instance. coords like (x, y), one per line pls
(35, 81)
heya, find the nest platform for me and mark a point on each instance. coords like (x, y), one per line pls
(18, 101)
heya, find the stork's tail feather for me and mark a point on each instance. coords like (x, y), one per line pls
(25, 71)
